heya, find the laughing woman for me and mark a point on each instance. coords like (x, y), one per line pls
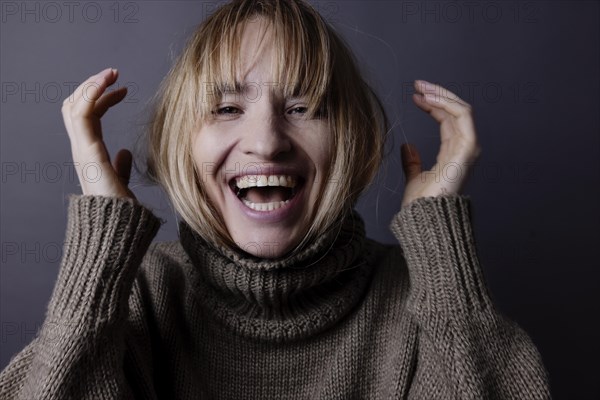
(264, 136)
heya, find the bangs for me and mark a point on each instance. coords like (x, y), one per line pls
(301, 61)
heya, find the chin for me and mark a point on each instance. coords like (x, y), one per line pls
(267, 242)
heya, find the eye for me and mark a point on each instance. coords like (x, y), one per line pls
(228, 110)
(302, 111)
(298, 110)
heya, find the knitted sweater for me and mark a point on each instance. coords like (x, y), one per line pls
(346, 318)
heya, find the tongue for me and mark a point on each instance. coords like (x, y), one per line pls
(267, 194)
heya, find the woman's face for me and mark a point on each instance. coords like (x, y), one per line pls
(262, 161)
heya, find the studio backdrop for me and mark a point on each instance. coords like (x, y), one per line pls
(528, 68)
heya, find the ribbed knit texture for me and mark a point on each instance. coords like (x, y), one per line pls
(287, 299)
(346, 318)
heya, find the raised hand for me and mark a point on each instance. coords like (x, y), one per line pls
(458, 151)
(81, 112)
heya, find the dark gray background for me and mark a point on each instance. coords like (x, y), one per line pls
(530, 69)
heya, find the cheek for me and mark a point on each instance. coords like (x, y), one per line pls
(204, 147)
(210, 147)
(318, 149)
(206, 155)
(200, 156)
(321, 151)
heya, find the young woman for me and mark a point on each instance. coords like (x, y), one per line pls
(264, 136)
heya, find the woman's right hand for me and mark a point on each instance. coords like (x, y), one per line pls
(81, 112)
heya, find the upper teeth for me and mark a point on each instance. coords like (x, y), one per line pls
(249, 181)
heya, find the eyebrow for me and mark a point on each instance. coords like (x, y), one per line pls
(239, 88)
(227, 88)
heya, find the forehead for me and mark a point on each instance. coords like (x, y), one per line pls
(255, 67)
(257, 55)
(282, 57)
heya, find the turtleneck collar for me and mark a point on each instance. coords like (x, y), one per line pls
(282, 299)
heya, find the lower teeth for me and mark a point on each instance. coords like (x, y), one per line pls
(265, 206)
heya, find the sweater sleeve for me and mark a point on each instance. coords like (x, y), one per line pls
(79, 351)
(467, 349)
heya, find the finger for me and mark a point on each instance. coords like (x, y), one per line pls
(439, 97)
(425, 87)
(83, 126)
(465, 126)
(84, 86)
(91, 92)
(108, 100)
(411, 161)
(438, 114)
(122, 165)
(76, 96)
(456, 109)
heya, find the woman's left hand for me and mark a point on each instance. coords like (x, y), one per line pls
(458, 151)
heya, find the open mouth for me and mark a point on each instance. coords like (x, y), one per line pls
(265, 192)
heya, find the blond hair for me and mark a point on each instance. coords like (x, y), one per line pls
(313, 62)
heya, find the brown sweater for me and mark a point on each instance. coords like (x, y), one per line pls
(347, 318)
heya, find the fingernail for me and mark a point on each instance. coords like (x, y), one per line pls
(426, 85)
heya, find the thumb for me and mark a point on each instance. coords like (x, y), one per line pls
(411, 161)
(122, 165)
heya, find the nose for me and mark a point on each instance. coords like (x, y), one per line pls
(265, 137)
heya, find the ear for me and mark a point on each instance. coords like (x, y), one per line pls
(411, 161)
(122, 165)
